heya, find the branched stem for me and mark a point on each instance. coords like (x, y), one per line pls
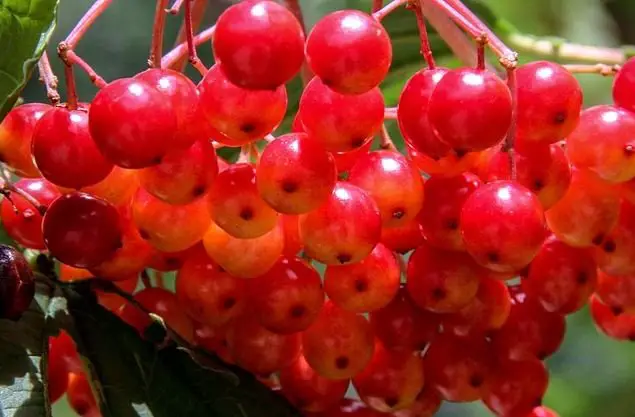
(390, 113)
(198, 13)
(71, 88)
(389, 8)
(181, 50)
(7, 188)
(189, 36)
(158, 30)
(459, 19)
(48, 78)
(601, 69)
(294, 6)
(426, 51)
(508, 145)
(73, 59)
(176, 6)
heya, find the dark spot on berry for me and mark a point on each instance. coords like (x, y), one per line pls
(422, 347)
(301, 402)
(493, 257)
(343, 258)
(541, 355)
(247, 127)
(361, 285)
(560, 118)
(524, 273)
(246, 213)
(2, 158)
(460, 153)
(631, 337)
(289, 186)
(476, 381)
(144, 235)
(229, 303)
(616, 310)
(391, 401)
(327, 82)
(357, 142)
(538, 185)
(538, 402)
(118, 244)
(157, 160)
(341, 362)
(629, 150)
(173, 263)
(198, 191)
(297, 311)
(597, 240)
(582, 278)
(452, 224)
(609, 246)
(438, 294)
(224, 343)
(398, 213)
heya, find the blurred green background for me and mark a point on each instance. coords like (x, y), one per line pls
(592, 376)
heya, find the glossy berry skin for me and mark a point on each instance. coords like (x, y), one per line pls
(17, 284)
(259, 350)
(340, 122)
(542, 411)
(114, 302)
(470, 109)
(561, 277)
(617, 292)
(441, 281)
(240, 115)
(503, 226)
(288, 297)
(236, 205)
(290, 227)
(339, 343)
(427, 403)
(81, 230)
(391, 380)
(183, 174)
(366, 285)
(516, 387)
(441, 211)
(614, 256)
(616, 325)
(329, 234)
(613, 157)
(412, 113)
(458, 367)
(80, 395)
(260, 44)
(587, 212)
(181, 92)
(206, 293)
(549, 102)
(213, 339)
(393, 182)
(350, 51)
(258, 255)
(295, 174)
(64, 151)
(346, 160)
(403, 239)
(402, 326)
(167, 227)
(25, 226)
(309, 391)
(623, 85)
(62, 359)
(450, 164)
(132, 123)
(16, 133)
(117, 188)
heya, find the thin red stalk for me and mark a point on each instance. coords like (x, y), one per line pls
(189, 36)
(8, 187)
(145, 279)
(601, 69)
(48, 78)
(198, 13)
(86, 22)
(511, 134)
(480, 53)
(458, 18)
(426, 51)
(96, 79)
(159, 279)
(390, 113)
(294, 6)
(71, 88)
(385, 139)
(158, 30)
(181, 50)
(389, 8)
(176, 6)
(377, 5)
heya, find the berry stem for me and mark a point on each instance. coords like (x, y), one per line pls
(198, 12)
(48, 78)
(181, 50)
(459, 19)
(98, 7)
(426, 51)
(377, 5)
(189, 36)
(510, 138)
(158, 30)
(145, 279)
(389, 8)
(8, 187)
(159, 280)
(245, 154)
(71, 88)
(270, 138)
(480, 52)
(294, 6)
(176, 7)
(217, 145)
(385, 139)
(73, 59)
(601, 69)
(390, 113)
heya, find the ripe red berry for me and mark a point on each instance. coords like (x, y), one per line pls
(132, 123)
(427, 403)
(295, 174)
(549, 102)
(451, 164)
(503, 226)
(470, 109)
(22, 221)
(17, 284)
(616, 253)
(345, 229)
(350, 51)
(117, 188)
(291, 228)
(352, 408)
(623, 86)
(16, 133)
(617, 292)
(80, 395)
(542, 411)
(62, 359)
(615, 324)
(114, 302)
(346, 160)
(213, 339)
(239, 115)
(260, 44)
(340, 122)
(403, 239)
(81, 230)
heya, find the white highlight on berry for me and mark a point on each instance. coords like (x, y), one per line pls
(545, 73)
(504, 194)
(389, 165)
(75, 117)
(352, 22)
(136, 89)
(258, 10)
(610, 116)
(472, 79)
(342, 194)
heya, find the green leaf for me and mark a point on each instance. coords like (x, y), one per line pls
(25, 30)
(23, 348)
(137, 379)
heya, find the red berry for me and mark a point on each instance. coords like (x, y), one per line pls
(81, 230)
(616, 253)
(346, 160)
(542, 411)
(22, 221)
(350, 51)
(345, 229)
(503, 226)
(291, 229)
(117, 188)
(366, 285)
(17, 283)
(549, 102)
(62, 359)
(402, 239)
(623, 86)
(259, 43)
(427, 403)
(80, 395)
(617, 292)
(64, 151)
(352, 408)
(470, 109)
(213, 339)
(239, 115)
(451, 164)
(16, 133)
(340, 122)
(295, 174)
(132, 123)
(616, 325)
(114, 302)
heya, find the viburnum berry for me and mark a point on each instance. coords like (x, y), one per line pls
(291, 229)
(213, 339)
(260, 44)
(169, 261)
(427, 403)
(344, 161)
(470, 109)
(403, 239)
(613, 323)
(80, 395)
(542, 411)
(114, 302)
(22, 221)
(451, 164)
(549, 102)
(16, 134)
(350, 51)
(623, 86)
(340, 122)
(62, 359)
(615, 255)
(17, 283)
(617, 292)
(352, 408)
(117, 188)
(503, 226)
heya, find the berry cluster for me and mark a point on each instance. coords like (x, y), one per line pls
(448, 271)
